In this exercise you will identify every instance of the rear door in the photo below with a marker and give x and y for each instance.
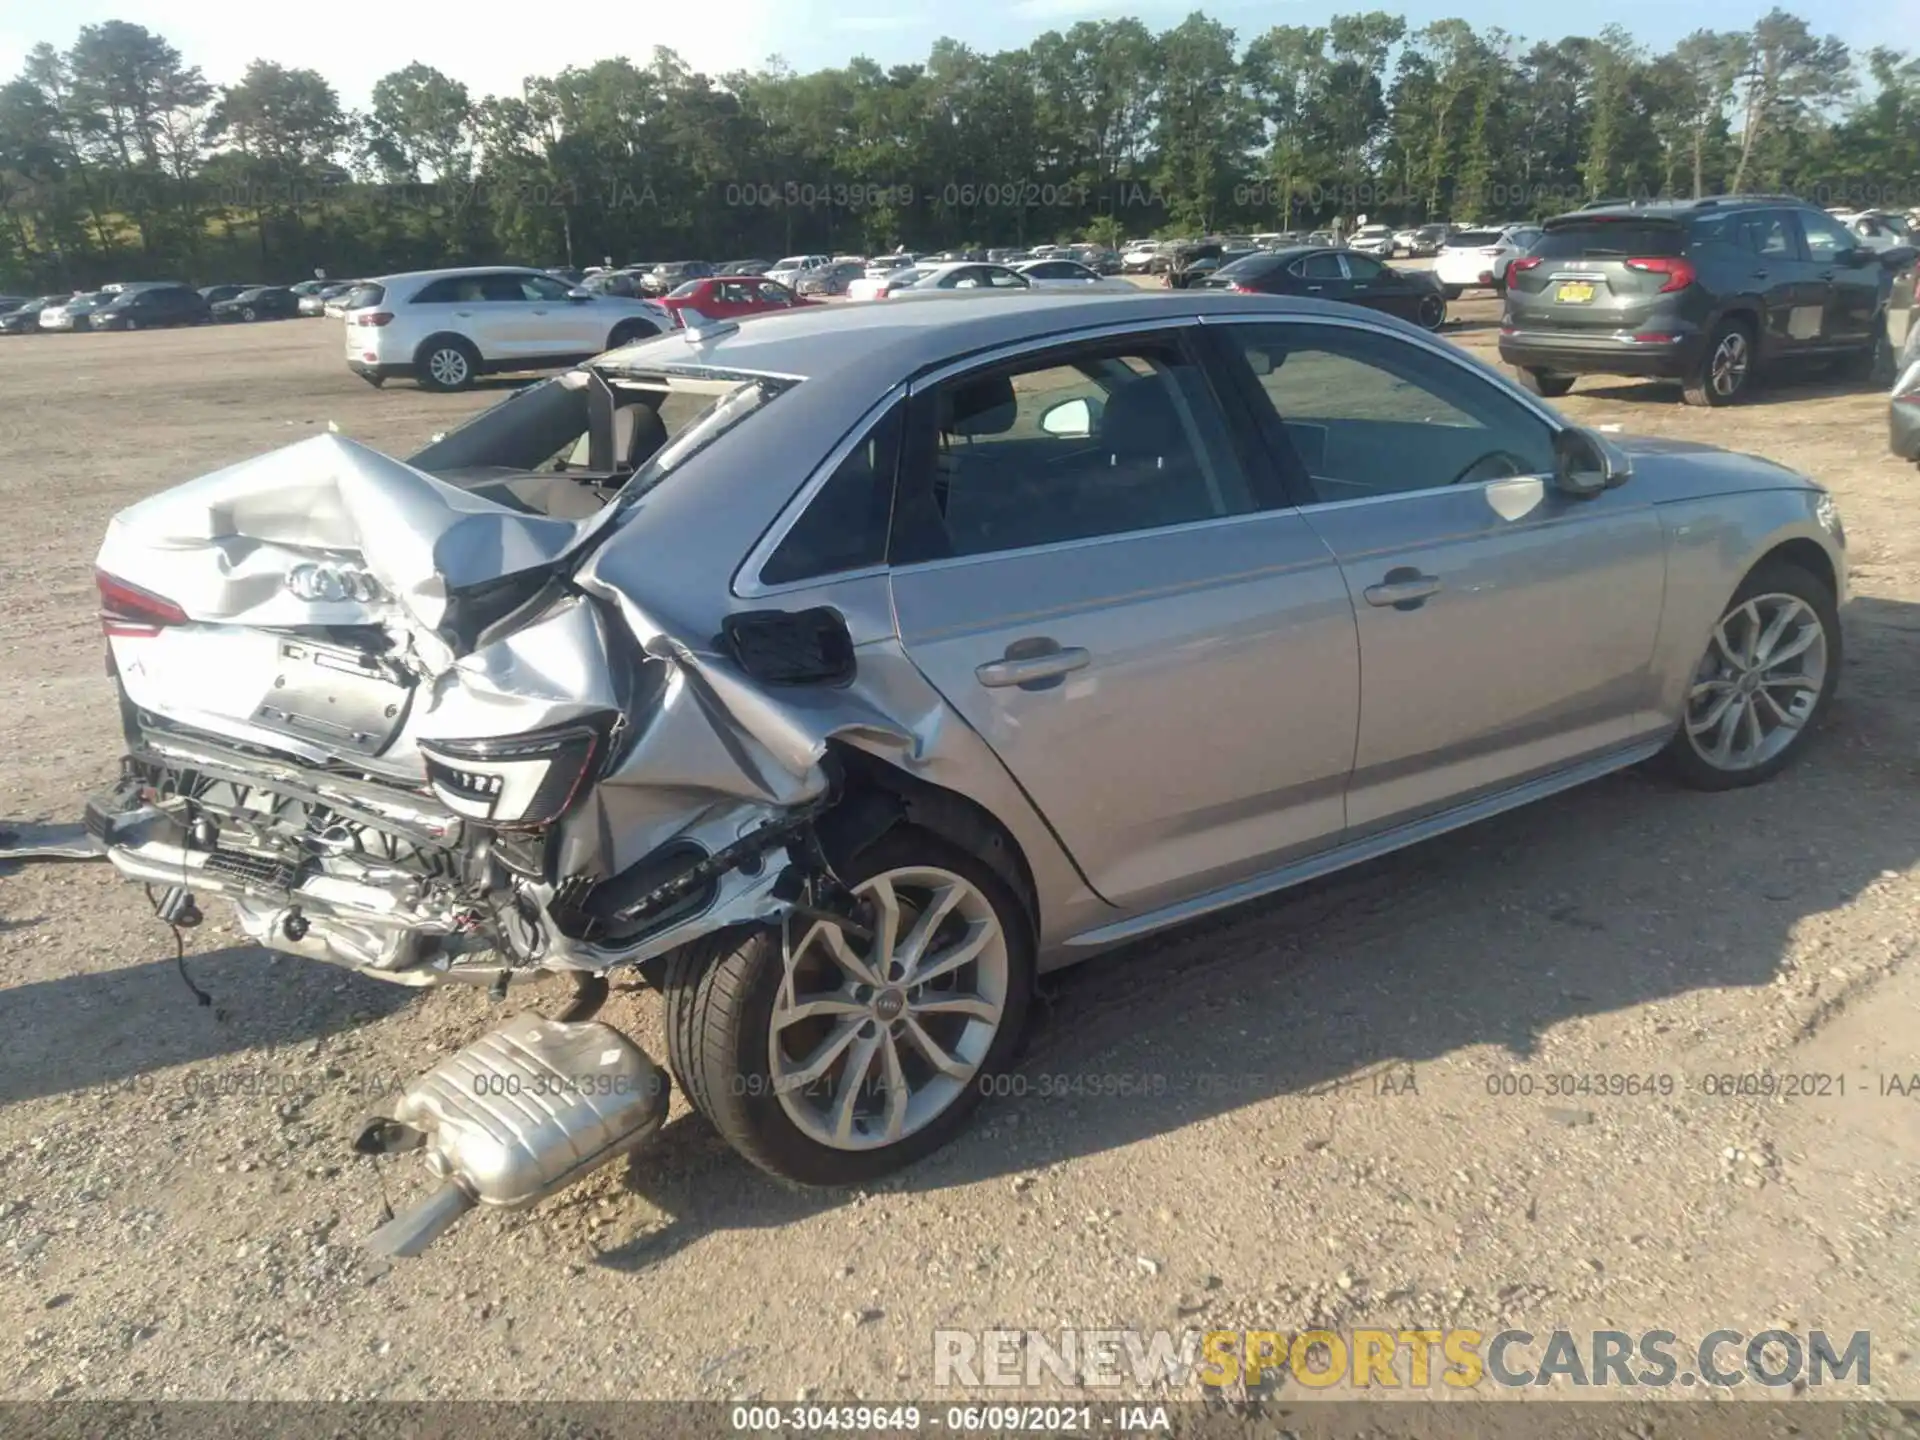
(1373, 285)
(1849, 275)
(1598, 273)
(1767, 262)
(1087, 567)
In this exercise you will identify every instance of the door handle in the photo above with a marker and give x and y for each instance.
(1316, 289)
(1760, 274)
(464, 314)
(1404, 588)
(1032, 668)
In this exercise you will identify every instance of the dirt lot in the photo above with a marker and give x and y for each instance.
(179, 1213)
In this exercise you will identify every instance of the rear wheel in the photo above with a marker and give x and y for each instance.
(1432, 312)
(249, 313)
(1726, 369)
(1770, 668)
(446, 363)
(831, 1059)
(1544, 382)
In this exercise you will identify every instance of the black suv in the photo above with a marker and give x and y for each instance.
(152, 306)
(1705, 292)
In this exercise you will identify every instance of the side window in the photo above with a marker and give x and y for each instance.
(774, 294)
(504, 288)
(1325, 266)
(844, 526)
(1767, 233)
(1359, 267)
(1825, 237)
(541, 287)
(1369, 414)
(1096, 440)
(1007, 280)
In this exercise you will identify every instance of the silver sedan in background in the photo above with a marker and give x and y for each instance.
(842, 671)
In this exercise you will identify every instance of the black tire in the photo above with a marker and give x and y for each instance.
(1432, 312)
(249, 313)
(720, 992)
(628, 331)
(433, 364)
(1453, 292)
(1543, 382)
(1682, 761)
(1703, 387)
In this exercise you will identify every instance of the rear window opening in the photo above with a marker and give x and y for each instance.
(1467, 239)
(1601, 239)
(365, 297)
(573, 446)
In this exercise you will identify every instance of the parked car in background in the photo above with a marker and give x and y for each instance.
(335, 301)
(831, 279)
(304, 288)
(73, 313)
(1372, 240)
(214, 294)
(624, 284)
(783, 272)
(1876, 229)
(1478, 259)
(746, 267)
(731, 297)
(1708, 293)
(1902, 345)
(262, 302)
(446, 328)
(152, 307)
(12, 302)
(881, 266)
(1139, 260)
(1336, 274)
(670, 275)
(314, 302)
(960, 275)
(1322, 237)
(1059, 273)
(566, 274)
(25, 319)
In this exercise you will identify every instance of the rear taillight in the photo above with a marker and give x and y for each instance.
(1525, 262)
(1240, 289)
(127, 610)
(1680, 273)
(377, 317)
(517, 781)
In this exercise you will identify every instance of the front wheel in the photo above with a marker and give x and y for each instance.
(1770, 668)
(831, 1059)
(249, 313)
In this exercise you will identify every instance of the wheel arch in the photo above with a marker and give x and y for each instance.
(441, 337)
(880, 796)
(1808, 555)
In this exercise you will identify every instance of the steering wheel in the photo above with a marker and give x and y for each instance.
(1494, 465)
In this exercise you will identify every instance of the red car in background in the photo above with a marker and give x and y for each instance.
(732, 297)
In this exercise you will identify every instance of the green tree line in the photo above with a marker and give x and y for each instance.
(119, 158)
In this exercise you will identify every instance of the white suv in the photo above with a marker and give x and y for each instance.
(446, 328)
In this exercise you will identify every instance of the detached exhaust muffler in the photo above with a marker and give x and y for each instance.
(521, 1113)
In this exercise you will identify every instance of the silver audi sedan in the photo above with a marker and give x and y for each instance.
(841, 670)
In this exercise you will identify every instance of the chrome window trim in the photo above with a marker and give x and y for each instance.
(1054, 340)
(747, 584)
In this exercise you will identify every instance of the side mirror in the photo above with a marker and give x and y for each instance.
(1069, 420)
(579, 292)
(1584, 464)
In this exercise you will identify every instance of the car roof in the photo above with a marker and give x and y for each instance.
(407, 275)
(872, 347)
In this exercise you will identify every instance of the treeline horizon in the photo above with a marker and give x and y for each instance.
(119, 159)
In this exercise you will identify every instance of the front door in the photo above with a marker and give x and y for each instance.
(1086, 567)
(1849, 274)
(1506, 629)
(1377, 287)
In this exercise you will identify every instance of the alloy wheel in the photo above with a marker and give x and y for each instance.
(1732, 358)
(1759, 682)
(448, 367)
(871, 1040)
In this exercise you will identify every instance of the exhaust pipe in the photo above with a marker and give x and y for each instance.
(520, 1114)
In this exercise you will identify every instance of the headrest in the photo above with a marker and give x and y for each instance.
(1140, 420)
(980, 407)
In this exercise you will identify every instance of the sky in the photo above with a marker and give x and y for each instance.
(354, 42)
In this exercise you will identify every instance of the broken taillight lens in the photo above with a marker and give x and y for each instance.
(127, 610)
(517, 781)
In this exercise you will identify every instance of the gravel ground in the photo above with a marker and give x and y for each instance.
(1319, 1128)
